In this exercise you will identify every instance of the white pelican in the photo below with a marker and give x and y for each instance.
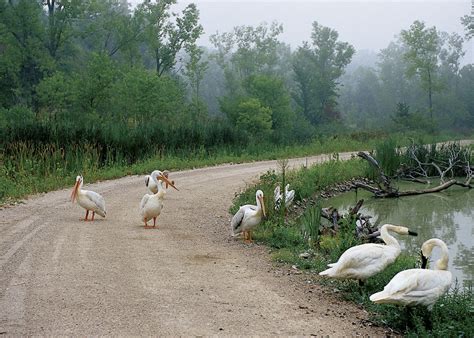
(365, 260)
(151, 204)
(89, 200)
(248, 217)
(419, 286)
(289, 196)
(151, 183)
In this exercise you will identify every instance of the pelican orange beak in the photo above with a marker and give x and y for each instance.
(74, 192)
(167, 181)
(262, 202)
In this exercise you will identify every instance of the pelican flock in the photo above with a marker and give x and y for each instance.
(409, 287)
(419, 286)
(248, 217)
(278, 197)
(89, 200)
(363, 261)
(152, 204)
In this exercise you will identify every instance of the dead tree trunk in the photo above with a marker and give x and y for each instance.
(386, 190)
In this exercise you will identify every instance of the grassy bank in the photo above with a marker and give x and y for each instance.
(29, 168)
(298, 234)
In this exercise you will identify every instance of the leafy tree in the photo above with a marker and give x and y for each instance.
(423, 49)
(249, 57)
(247, 51)
(61, 15)
(111, 29)
(166, 33)
(450, 56)
(139, 97)
(254, 119)
(194, 71)
(360, 98)
(24, 58)
(271, 92)
(54, 96)
(318, 65)
(92, 88)
(395, 86)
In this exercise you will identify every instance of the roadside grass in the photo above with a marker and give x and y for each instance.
(28, 167)
(451, 315)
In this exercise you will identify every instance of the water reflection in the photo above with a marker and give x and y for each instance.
(448, 215)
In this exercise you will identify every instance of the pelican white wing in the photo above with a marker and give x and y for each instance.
(98, 201)
(144, 200)
(240, 218)
(415, 287)
(362, 261)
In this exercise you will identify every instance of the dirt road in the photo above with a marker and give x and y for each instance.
(62, 276)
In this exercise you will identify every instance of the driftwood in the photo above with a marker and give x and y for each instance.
(385, 190)
(385, 180)
(364, 229)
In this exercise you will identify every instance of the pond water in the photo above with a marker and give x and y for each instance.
(448, 215)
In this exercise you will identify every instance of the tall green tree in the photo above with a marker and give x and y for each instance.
(253, 119)
(24, 59)
(423, 49)
(194, 71)
(318, 66)
(395, 86)
(247, 51)
(166, 33)
(250, 59)
(451, 53)
(272, 93)
(360, 98)
(111, 28)
(61, 15)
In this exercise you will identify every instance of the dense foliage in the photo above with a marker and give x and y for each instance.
(100, 84)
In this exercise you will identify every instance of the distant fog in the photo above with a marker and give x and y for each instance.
(365, 24)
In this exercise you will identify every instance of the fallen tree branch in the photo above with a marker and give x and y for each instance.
(383, 178)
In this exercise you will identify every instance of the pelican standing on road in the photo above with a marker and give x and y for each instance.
(365, 260)
(278, 197)
(151, 183)
(89, 200)
(419, 286)
(248, 217)
(152, 204)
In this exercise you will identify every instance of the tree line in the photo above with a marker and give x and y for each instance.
(418, 81)
(127, 81)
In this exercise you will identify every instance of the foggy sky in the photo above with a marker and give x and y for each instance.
(365, 24)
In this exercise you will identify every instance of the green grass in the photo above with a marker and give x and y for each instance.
(452, 314)
(29, 167)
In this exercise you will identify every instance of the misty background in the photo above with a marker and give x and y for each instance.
(367, 25)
